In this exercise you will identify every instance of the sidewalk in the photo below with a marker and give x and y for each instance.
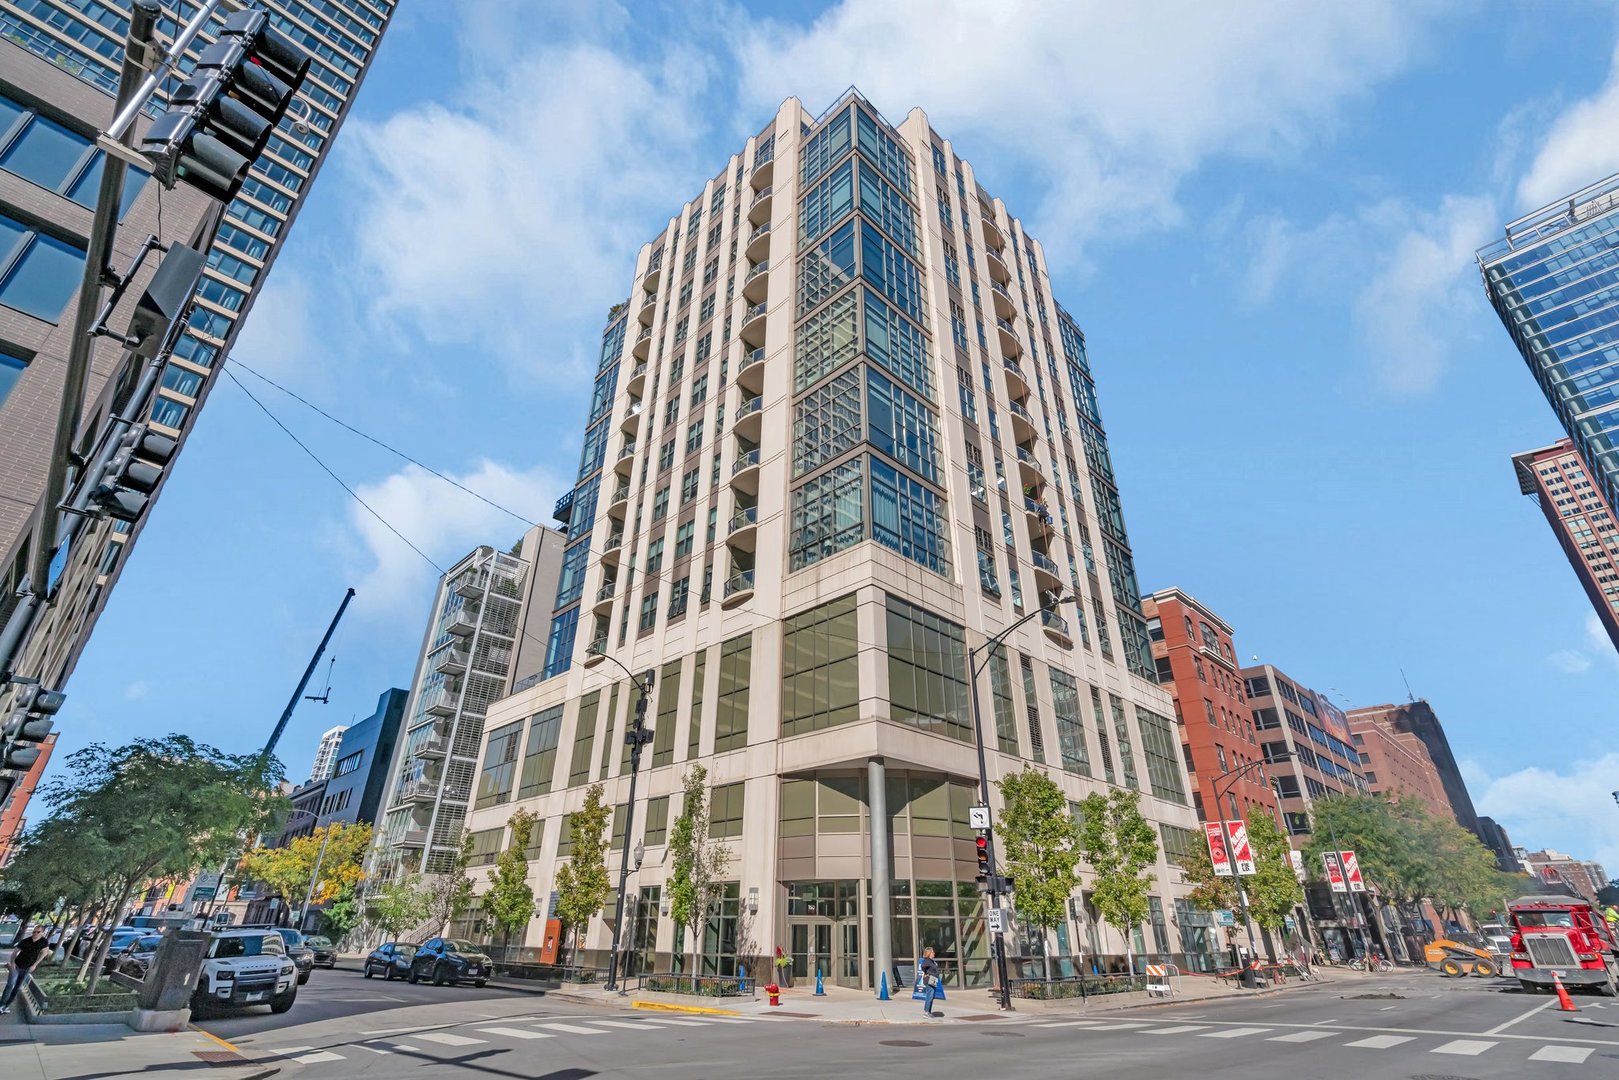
(94, 1051)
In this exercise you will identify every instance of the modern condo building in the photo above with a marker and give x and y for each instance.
(1582, 520)
(842, 433)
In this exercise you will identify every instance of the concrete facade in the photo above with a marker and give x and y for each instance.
(1396, 763)
(1196, 658)
(1290, 716)
(326, 753)
(804, 359)
(360, 777)
(1581, 519)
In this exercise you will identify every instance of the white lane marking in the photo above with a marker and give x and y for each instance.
(1071, 1023)
(317, 1057)
(373, 1049)
(446, 1038)
(1334, 1020)
(1380, 1042)
(573, 1029)
(1233, 1033)
(679, 1023)
(517, 1033)
(629, 1025)
(391, 1031)
(729, 1019)
(1386, 1008)
(1283, 1005)
(1500, 1028)
(288, 1051)
(406, 1048)
(1300, 1036)
(1127, 1025)
(1573, 1055)
(1464, 1047)
(1178, 1029)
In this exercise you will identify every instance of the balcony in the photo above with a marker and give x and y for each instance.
(650, 280)
(738, 587)
(1004, 307)
(643, 343)
(1037, 511)
(621, 495)
(415, 791)
(649, 309)
(1056, 626)
(764, 166)
(1030, 466)
(760, 210)
(1011, 347)
(434, 746)
(749, 417)
(758, 243)
(752, 330)
(1022, 423)
(605, 594)
(756, 285)
(745, 471)
(439, 702)
(612, 546)
(1045, 565)
(637, 378)
(750, 373)
(1016, 382)
(625, 462)
(994, 239)
(998, 270)
(413, 838)
(744, 527)
(450, 662)
(472, 585)
(596, 651)
(632, 418)
(461, 622)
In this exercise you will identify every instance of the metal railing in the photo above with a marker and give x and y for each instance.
(1076, 986)
(606, 591)
(701, 985)
(745, 461)
(752, 312)
(745, 517)
(748, 408)
(763, 194)
(739, 583)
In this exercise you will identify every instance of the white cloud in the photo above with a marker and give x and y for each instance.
(136, 690)
(1569, 661)
(281, 338)
(1579, 149)
(445, 523)
(1572, 811)
(489, 223)
(1111, 106)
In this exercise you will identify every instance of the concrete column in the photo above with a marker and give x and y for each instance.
(882, 901)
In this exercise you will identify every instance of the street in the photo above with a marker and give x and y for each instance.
(1405, 1024)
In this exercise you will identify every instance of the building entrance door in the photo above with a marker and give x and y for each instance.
(831, 948)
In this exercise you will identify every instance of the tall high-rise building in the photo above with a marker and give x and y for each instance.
(1497, 840)
(1197, 660)
(1396, 763)
(59, 66)
(480, 614)
(1419, 719)
(1582, 520)
(326, 753)
(1550, 281)
(14, 807)
(842, 433)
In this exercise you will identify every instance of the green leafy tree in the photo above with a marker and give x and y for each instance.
(583, 885)
(1039, 849)
(1210, 892)
(450, 892)
(330, 859)
(343, 912)
(1119, 843)
(398, 906)
(509, 900)
(698, 864)
(1273, 889)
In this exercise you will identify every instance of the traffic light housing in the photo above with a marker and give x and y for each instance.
(983, 861)
(220, 119)
(132, 473)
(28, 723)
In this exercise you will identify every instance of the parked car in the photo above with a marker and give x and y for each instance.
(391, 960)
(122, 939)
(136, 957)
(325, 953)
(297, 948)
(450, 960)
(246, 967)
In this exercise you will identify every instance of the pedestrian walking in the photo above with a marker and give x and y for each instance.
(930, 982)
(29, 955)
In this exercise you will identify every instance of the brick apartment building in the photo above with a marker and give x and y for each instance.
(1396, 763)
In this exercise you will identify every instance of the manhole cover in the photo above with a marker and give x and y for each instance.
(219, 1057)
(904, 1042)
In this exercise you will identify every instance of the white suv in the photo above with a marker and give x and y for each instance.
(246, 967)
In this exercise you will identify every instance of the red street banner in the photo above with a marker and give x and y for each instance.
(1352, 872)
(1335, 871)
(1217, 852)
(1242, 853)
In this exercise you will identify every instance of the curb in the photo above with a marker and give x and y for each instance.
(660, 1006)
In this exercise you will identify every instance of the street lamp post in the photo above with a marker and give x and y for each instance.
(995, 885)
(637, 737)
(1231, 777)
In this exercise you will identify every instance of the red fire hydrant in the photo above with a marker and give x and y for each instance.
(774, 993)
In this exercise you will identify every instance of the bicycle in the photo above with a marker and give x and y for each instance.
(1373, 963)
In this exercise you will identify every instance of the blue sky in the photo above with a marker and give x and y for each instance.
(1264, 220)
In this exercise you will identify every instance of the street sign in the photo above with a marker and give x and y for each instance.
(1335, 871)
(1227, 918)
(1217, 851)
(1298, 865)
(978, 817)
(997, 921)
(1352, 872)
(1242, 853)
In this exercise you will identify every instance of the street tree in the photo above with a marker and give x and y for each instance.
(1273, 889)
(1039, 849)
(398, 906)
(1210, 892)
(449, 892)
(327, 861)
(509, 900)
(583, 884)
(698, 863)
(343, 912)
(1119, 843)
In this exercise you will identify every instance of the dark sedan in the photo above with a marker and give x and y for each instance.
(136, 957)
(391, 960)
(297, 948)
(325, 952)
(450, 960)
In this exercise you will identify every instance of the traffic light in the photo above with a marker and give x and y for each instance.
(220, 119)
(132, 473)
(983, 862)
(29, 723)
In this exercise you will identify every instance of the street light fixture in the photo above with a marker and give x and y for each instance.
(1231, 777)
(996, 885)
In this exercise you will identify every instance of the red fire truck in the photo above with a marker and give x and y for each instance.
(1566, 937)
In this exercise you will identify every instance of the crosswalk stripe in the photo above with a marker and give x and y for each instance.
(573, 1029)
(629, 1025)
(1380, 1042)
(317, 1057)
(373, 1049)
(682, 1022)
(1071, 1023)
(1300, 1036)
(1178, 1029)
(1464, 1047)
(1117, 1027)
(517, 1033)
(729, 1019)
(288, 1051)
(1233, 1033)
(1572, 1055)
(446, 1038)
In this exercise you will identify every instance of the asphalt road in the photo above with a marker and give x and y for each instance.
(1404, 1025)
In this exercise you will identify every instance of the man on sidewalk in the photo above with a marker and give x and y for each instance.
(29, 955)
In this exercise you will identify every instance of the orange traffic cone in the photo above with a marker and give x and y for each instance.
(1564, 1002)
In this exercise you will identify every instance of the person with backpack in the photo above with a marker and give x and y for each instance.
(930, 982)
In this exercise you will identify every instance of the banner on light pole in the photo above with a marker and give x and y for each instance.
(1335, 871)
(1217, 849)
(1242, 852)
(1352, 872)
(1298, 865)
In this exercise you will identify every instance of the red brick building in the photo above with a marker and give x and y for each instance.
(1396, 763)
(12, 822)
(1197, 662)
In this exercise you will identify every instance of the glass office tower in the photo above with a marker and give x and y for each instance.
(842, 432)
(1554, 281)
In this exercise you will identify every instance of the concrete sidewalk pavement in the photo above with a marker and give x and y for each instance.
(95, 1051)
